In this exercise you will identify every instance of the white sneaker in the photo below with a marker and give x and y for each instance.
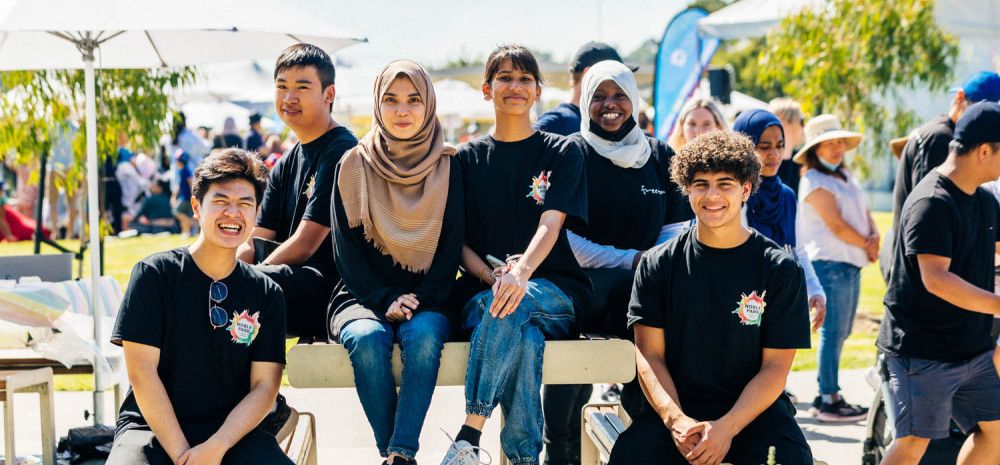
(463, 453)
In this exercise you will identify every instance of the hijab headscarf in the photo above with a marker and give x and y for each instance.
(397, 189)
(771, 210)
(631, 151)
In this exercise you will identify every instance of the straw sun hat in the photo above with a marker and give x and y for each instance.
(823, 128)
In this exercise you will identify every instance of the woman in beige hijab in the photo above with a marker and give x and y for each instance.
(398, 216)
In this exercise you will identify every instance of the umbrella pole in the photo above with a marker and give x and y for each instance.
(94, 220)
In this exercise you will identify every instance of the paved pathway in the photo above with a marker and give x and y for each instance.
(345, 437)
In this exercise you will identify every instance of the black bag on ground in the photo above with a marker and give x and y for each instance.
(86, 443)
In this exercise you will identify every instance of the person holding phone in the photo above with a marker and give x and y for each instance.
(521, 186)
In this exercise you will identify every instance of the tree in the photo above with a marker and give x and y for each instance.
(853, 59)
(36, 105)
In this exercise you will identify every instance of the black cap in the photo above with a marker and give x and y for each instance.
(979, 124)
(594, 52)
(255, 118)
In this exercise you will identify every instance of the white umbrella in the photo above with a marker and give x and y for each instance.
(56, 34)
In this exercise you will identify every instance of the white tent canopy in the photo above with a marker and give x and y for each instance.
(213, 114)
(244, 81)
(140, 34)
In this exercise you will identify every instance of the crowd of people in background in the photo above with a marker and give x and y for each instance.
(146, 190)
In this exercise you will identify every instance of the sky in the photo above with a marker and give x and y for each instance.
(432, 32)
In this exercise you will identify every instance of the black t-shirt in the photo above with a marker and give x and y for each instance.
(719, 308)
(627, 207)
(508, 185)
(925, 150)
(940, 219)
(300, 187)
(254, 141)
(205, 371)
(373, 280)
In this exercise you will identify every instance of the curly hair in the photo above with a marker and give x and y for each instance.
(715, 152)
(225, 165)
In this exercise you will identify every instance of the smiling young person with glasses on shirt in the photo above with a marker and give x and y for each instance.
(203, 335)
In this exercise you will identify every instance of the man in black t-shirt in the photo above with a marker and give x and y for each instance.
(296, 208)
(940, 301)
(717, 315)
(927, 147)
(203, 336)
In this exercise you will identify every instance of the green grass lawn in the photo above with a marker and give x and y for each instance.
(122, 255)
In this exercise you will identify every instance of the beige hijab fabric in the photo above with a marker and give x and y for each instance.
(397, 189)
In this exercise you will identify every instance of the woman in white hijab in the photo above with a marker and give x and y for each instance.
(632, 203)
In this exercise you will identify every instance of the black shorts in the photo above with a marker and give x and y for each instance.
(648, 442)
(138, 446)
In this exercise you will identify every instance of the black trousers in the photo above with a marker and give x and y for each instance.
(307, 296)
(140, 447)
(561, 404)
(648, 442)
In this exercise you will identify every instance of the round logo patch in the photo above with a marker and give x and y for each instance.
(244, 327)
(751, 308)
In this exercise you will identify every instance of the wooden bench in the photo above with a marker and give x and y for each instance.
(566, 362)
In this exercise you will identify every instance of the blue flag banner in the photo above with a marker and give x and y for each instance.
(683, 56)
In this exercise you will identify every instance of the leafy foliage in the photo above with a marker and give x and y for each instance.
(852, 59)
(35, 106)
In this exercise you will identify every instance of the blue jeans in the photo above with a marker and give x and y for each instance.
(396, 419)
(505, 363)
(842, 284)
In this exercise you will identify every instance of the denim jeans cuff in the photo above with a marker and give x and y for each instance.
(524, 461)
(478, 408)
(405, 453)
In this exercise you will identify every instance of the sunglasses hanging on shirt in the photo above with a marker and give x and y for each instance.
(217, 315)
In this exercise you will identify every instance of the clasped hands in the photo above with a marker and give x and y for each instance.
(702, 442)
(510, 284)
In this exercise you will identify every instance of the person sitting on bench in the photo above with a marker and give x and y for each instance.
(295, 210)
(203, 336)
(398, 215)
(521, 185)
(717, 314)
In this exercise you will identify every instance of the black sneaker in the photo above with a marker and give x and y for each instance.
(841, 412)
(276, 419)
(816, 404)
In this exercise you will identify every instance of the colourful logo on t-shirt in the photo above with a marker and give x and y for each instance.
(751, 308)
(539, 186)
(244, 327)
(310, 187)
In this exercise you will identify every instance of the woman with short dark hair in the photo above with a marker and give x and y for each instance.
(521, 186)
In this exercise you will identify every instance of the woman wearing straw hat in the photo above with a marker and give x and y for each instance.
(840, 237)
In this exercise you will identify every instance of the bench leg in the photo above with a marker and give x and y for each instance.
(588, 451)
(8, 426)
(47, 411)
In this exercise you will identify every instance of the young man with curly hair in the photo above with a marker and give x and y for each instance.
(717, 315)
